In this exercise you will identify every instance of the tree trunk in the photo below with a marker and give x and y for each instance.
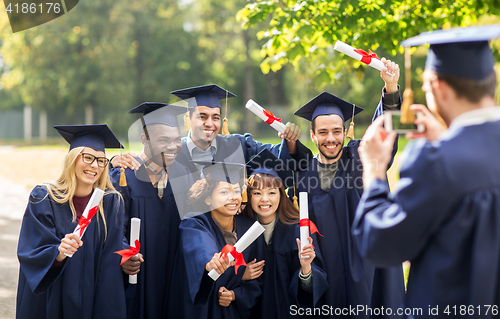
(89, 115)
(43, 125)
(27, 122)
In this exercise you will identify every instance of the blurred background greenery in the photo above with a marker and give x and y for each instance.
(105, 57)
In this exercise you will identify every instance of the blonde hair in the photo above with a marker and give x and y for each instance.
(63, 189)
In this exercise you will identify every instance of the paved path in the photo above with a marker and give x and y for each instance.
(13, 200)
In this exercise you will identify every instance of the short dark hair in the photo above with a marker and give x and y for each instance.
(471, 90)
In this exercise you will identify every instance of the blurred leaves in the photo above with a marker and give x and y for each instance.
(302, 30)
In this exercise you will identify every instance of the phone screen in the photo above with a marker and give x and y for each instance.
(398, 126)
(392, 123)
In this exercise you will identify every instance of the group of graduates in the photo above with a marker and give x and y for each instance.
(197, 195)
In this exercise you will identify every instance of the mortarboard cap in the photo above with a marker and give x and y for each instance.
(159, 113)
(267, 163)
(97, 136)
(206, 95)
(462, 52)
(232, 173)
(326, 104)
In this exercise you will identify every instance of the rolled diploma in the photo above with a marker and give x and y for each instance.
(304, 214)
(135, 229)
(248, 238)
(94, 201)
(349, 50)
(259, 111)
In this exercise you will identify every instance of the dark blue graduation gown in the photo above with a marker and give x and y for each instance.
(90, 284)
(159, 237)
(444, 217)
(352, 280)
(238, 148)
(200, 240)
(282, 287)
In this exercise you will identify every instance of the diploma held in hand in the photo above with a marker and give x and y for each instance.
(89, 212)
(304, 215)
(246, 240)
(305, 223)
(266, 116)
(135, 228)
(360, 55)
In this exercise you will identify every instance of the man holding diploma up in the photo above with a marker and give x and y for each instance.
(204, 143)
(149, 196)
(333, 180)
(444, 215)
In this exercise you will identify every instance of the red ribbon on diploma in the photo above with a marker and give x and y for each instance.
(128, 253)
(271, 117)
(84, 222)
(238, 257)
(366, 57)
(310, 224)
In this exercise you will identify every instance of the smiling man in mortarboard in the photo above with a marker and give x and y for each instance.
(204, 143)
(444, 214)
(155, 193)
(333, 180)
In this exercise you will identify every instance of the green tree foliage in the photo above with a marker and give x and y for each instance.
(107, 55)
(307, 29)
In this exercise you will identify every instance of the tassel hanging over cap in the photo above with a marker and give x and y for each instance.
(123, 178)
(295, 201)
(225, 129)
(350, 132)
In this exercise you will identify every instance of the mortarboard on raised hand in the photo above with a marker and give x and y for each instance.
(326, 104)
(38, 13)
(205, 95)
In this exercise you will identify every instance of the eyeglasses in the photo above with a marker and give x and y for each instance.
(89, 159)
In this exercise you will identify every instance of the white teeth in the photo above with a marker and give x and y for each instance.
(169, 154)
(331, 147)
(208, 132)
(90, 173)
(265, 207)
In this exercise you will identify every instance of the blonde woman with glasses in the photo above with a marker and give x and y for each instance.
(88, 285)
